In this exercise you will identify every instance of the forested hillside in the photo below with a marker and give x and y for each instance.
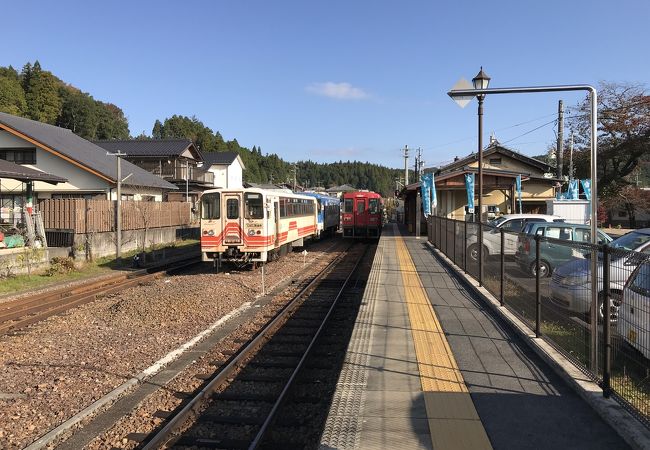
(38, 94)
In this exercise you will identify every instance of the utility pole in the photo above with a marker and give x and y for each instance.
(406, 165)
(294, 177)
(560, 138)
(571, 156)
(118, 206)
(418, 164)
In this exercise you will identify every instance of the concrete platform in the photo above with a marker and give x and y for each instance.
(429, 367)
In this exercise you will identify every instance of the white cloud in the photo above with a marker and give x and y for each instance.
(340, 91)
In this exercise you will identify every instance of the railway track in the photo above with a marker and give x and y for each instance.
(239, 405)
(19, 313)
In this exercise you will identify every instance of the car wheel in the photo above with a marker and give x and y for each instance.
(615, 299)
(473, 252)
(544, 269)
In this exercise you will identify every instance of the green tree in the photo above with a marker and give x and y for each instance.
(623, 135)
(112, 123)
(12, 96)
(157, 131)
(78, 112)
(42, 94)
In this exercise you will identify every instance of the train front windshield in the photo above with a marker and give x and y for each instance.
(373, 206)
(254, 206)
(211, 206)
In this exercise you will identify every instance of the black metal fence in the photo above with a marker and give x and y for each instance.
(546, 282)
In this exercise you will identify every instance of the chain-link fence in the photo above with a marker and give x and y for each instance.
(545, 279)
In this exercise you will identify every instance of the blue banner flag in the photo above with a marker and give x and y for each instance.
(426, 181)
(573, 190)
(518, 187)
(434, 197)
(586, 187)
(469, 185)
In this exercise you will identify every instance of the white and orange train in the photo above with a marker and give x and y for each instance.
(251, 225)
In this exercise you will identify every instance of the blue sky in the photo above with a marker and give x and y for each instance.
(335, 80)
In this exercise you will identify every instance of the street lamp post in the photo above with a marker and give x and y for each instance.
(480, 81)
(461, 96)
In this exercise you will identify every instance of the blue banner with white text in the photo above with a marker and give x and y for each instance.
(573, 190)
(426, 181)
(586, 187)
(469, 185)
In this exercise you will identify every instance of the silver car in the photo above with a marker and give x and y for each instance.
(511, 223)
(571, 282)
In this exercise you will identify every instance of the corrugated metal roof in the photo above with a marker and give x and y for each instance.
(82, 151)
(147, 147)
(22, 173)
(222, 158)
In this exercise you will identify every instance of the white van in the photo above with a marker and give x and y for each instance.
(511, 223)
(634, 313)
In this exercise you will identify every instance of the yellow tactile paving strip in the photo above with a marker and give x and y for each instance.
(453, 421)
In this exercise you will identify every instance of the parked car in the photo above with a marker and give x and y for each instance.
(511, 223)
(571, 283)
(634, 313)
(552, 252)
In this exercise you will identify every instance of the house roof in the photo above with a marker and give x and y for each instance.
(496, 147)
(219, 158)
(149, 147)
(78, 151)
(342, 188)
(22, 173)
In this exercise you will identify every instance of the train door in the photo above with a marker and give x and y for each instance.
(232, 225)
(360, 216)
(276, 211)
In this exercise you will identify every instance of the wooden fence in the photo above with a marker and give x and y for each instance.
(96, 216)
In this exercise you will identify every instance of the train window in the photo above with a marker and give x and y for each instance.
(253, 206)
(283, 207)
(211, 206)
(373, 205)
(232, 208)
(361, 206)
(347, 206)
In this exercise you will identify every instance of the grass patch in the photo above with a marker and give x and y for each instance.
(21, 283)
(101, 266)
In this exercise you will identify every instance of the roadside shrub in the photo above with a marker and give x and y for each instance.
(60, 264)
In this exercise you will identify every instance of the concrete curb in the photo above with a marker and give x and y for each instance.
(621, 420)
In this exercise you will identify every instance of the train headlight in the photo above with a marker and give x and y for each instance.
(211, 233)
(251, 232)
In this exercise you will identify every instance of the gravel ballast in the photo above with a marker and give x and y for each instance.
(55, 368)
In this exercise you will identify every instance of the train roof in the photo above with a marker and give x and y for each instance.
(278, 192)
(361, 194)
(322, 197)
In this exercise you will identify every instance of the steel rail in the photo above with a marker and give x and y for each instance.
(167, 433)
(20, 313)
(270, 417)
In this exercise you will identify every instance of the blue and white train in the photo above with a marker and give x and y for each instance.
(329, 214)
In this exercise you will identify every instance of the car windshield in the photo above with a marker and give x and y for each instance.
(631, 241)
(497, 222)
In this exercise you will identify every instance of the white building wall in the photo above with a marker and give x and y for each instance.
(220, 176)
(79, 180)
(235, 175)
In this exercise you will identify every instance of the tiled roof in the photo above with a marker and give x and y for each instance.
(219, 158)
(147, 147)
(81, 151)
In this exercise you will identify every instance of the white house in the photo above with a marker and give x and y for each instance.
(227, 168)
(90, 172)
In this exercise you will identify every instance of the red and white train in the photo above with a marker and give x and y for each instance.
(363, 214)
(250, 225)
